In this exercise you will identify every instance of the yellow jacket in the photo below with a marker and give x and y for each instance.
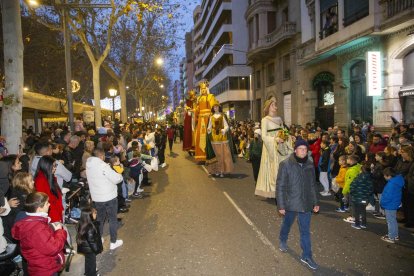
(340, 178)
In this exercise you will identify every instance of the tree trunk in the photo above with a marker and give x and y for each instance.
(11, 117)
(122, 93)
(97, 93)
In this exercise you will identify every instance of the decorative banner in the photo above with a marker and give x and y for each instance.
(89, 116)
(374, 73)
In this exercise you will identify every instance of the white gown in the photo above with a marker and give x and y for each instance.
(271, 157)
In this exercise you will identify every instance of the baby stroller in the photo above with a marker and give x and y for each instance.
(77, 197)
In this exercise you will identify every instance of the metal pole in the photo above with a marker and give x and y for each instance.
(113, 108)
(68, 68)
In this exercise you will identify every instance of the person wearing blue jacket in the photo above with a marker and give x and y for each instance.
(391, 201)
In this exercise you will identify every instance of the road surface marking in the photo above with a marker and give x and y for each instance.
(249, 222)
(205, 169)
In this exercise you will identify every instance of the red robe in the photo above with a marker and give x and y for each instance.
(56, 205)
(188, 129)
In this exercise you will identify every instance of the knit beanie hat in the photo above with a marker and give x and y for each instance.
(301, 142)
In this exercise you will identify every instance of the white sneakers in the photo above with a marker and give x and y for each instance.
(139, 190)
(327, 193)
(163, 165)
(370, 207)
(116, 244)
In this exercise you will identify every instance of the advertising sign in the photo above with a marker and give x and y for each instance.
(374, 73)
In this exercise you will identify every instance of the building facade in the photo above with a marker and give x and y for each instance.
(219, 48)
(274, 34)
(336, 72)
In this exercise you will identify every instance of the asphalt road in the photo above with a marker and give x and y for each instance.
(193, 224)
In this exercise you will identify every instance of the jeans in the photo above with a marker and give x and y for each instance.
(323, 178)
(391, 216)
(360, 211)
(108, 210)
(304, 219)
(90, 264)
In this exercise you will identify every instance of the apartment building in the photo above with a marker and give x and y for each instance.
(219, 48)
(356, 62)
(274, 34)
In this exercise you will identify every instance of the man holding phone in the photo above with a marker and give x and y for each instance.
(296, 196)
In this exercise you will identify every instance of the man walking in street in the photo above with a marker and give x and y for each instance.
(296, 196)
(103, 180)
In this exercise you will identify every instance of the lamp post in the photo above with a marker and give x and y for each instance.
(112, 93)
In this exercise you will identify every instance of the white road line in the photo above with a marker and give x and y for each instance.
(249, 222)
(205, 169)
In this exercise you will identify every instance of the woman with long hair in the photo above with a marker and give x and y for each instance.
(45, 181)
(339, 151)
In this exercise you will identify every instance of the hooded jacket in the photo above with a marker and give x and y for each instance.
(40, 245)
(391, 196)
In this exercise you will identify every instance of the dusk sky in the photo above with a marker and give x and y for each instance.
(188, 7)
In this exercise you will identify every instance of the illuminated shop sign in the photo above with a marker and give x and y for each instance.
(374, 73)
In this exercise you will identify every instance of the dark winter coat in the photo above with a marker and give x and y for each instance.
(361, 188)
(410, 179)
(91, 242)
(402, 167)
(324, 159)
(296, 185)
(378, 178)
(256, 149)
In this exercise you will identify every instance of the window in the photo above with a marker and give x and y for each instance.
(257, 80)
(271, 21)
(256, 17)
(328, 18)
(239, 83)
(270, 73)
(354, 10)
(251, 33)
(285, 15)
(286, 67)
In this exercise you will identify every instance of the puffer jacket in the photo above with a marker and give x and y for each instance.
(361, 188)
(350, 175)
(91, 242)
(40, 245)
(296, 186)
(391, 196)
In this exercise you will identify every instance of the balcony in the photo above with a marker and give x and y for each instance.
(225, 49)
(200, 70)
(284, 32)
(396, 14)
(395, 7)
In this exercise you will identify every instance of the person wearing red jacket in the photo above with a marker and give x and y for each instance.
(41, 244)
(45, 182)
(378, 144)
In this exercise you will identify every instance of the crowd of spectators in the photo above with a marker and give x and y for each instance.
(361, 170)
(111, 164)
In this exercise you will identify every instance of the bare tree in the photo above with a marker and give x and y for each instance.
(11, 117)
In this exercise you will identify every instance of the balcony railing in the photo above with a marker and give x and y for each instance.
(394, 7)
(286, 30)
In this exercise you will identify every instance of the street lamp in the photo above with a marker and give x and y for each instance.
(112, 93)
(159, 61)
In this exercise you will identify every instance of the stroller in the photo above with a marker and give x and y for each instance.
(77, 197)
